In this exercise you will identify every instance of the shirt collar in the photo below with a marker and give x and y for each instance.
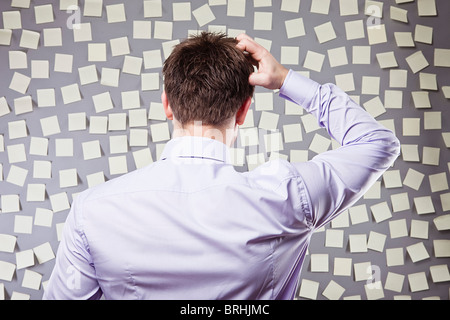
(196, 148)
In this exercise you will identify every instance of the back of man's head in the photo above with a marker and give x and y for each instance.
(206, 79)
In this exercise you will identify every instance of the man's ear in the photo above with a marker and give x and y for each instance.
(242, 112)
(166, 105)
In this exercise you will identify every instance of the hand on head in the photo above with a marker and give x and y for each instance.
(271, 74)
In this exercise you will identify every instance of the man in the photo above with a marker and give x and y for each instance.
(189, 226)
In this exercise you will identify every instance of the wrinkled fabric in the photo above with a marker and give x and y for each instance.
(189, 226)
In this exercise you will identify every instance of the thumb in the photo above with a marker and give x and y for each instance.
(260, 79)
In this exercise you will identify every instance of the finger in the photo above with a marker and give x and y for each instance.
(256, 50)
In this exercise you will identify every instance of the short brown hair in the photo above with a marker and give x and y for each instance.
(206, 79)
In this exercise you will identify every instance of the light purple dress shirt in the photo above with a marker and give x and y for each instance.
(189, 226)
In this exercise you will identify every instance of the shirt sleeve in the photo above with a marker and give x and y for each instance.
(336, 179)
(73, 276)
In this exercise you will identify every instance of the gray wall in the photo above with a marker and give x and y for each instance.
(422, 278)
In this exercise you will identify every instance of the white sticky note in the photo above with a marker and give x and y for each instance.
(417, 252)
(417, 61)
(342, 267)
(23, 224)
(44, 253)
(152, 8)
(71, 93)
(319, 144)
(59, 202)
(289, 55)
(181, 11)
(23, 105)
(398, 78)
(370, 85)
(76, 121)
(7, 243)
(404, 39)
(152, 59)
(35, 192)
(82, 32)
(376, 34)
(395, 257)
(102, 102)
(17, 60)
(387, 60)
(314, 61)
(110, 77)
(160, 132)
(93, 8)
(393, 99)
(354, 29)
(308, 289)
(17, 129)
(142, 29)
(5, 37)
(132, 65)
(263, 101)
(320, 6)
(426, 8)
(149, 81)
(7, 270)
(43, 217)
(400, 202)
(46, 97)
(337, 56)
(115, 13)
(63, 63)
(381, 212)
(262, 21)
(98, 125)
(142, 157)
(294, 28)
(88, 74)
(118, 144)
(117, 165)
(394, 282)
(12, 20)
(424, 205)
(156, 111)
(413, 179)
(52, 37)
(423, 34)
(430, 156)
(138, 137)
(117, 121)
(290, 5)
(334, 238)
(19, 82)
(419, 229)
(29, 39)
(398, 228)
(163, 30)
(392, 179)
(24, 259)
(398, 14)
(96, 52)
(68, 178)
(376, 241)
(361, 55)
(325, 32)
(204, 15)
(411, 126)
(236, 8)
(130, 99)
(374, 106)
(43, 13)
(91, 150)
(358, 243)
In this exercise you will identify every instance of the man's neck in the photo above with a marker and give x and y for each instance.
(226, 134)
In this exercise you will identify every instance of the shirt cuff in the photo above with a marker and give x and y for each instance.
(299, 89)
